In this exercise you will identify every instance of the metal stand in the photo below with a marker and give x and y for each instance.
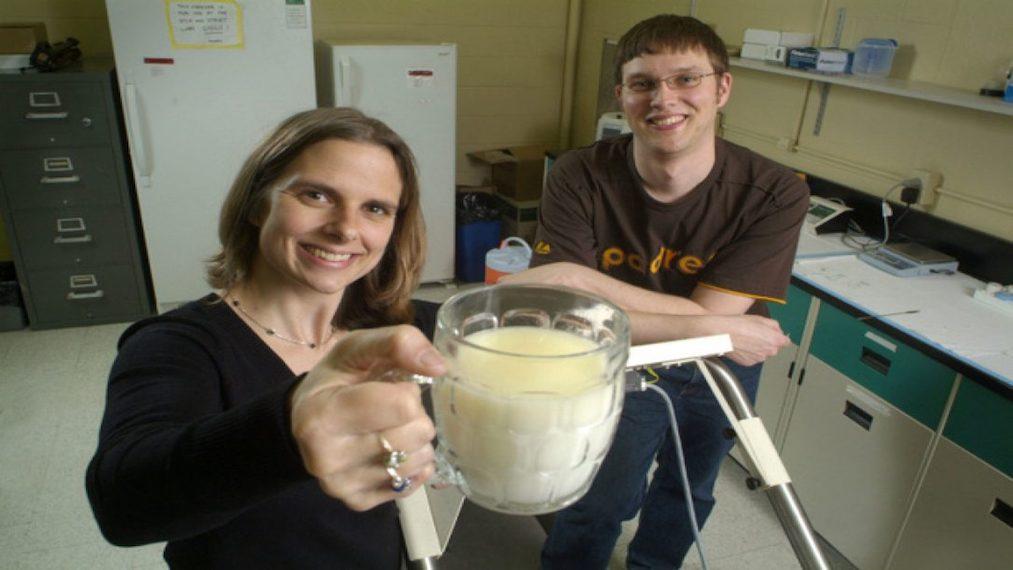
(767, 465)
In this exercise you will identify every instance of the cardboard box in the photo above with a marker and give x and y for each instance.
(520, 218)
(21, 38)
(517, 172)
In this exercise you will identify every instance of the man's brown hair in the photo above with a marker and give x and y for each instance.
(669, 32)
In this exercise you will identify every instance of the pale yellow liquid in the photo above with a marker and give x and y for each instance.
(528, 430)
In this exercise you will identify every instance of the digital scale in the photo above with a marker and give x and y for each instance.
(909, 260)
(826, 216)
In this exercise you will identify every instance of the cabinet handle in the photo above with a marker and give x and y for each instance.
(80, 239)
(74, 296)
(1002, 511)
(345, 71)
(857, 415)
(60, 179)
(877, 362)
(46, 116)
(139, 147)
(791, 369)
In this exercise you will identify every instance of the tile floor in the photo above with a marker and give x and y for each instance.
(52, 389)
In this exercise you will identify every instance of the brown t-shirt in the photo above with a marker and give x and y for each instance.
(735, 232)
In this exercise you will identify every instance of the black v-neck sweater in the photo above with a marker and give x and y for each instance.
(195, 449)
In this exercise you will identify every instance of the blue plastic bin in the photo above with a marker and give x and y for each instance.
(473, 241)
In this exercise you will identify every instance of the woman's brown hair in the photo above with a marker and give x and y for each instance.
(382, 296)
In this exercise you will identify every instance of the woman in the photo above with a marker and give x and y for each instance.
(213, 437)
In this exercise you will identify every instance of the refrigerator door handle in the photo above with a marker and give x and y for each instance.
(139, 148)
(345, 67)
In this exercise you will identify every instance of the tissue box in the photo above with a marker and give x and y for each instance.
(823, 60)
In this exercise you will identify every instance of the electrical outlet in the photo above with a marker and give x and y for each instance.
(931, 181)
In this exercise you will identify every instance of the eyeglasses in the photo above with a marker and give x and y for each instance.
(678, 81)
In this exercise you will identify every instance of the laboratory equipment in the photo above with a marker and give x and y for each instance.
(611, 125)
(996, 297)
(825, 216)
(413, 89)
(200, 85)
(909, 259)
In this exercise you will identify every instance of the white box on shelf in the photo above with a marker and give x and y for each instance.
(764, 37)
(754, 51)
(776, 54)
(797, 39)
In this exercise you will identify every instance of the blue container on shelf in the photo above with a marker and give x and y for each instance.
(874, 57)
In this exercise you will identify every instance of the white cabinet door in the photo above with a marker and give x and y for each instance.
(854, 460)
(961, 518)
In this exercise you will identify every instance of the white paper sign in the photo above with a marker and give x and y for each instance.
(214, 24)
(295, 15)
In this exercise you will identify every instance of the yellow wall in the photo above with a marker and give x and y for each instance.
(82, 19)
(510, 81)
(868, 141)
(510, 55)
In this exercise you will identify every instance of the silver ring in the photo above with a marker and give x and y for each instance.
(394, 457)
(397, 482)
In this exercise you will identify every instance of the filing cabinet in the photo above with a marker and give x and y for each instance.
(860, 433)
(66, 200)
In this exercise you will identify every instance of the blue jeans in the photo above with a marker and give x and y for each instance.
(584, 534)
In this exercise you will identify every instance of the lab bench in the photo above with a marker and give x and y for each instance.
(897, 430)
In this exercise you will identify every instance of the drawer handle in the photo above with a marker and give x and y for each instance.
(877, 362)
(80, 239)
(1002, 511)
(46, 116)
(60, 179)
(857, 415)
(75, 296)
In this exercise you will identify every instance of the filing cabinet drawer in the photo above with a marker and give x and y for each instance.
(72, 237)
(792, 315)
(83, 296)
(45, 114)
(961, 517)
(59, 177)
(981, 421)
(901, 375)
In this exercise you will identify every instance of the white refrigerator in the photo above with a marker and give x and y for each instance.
(413, 89)
(201, 84)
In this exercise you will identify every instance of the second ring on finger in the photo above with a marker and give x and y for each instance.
(392, 457)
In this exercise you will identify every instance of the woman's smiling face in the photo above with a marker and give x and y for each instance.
(330, 216)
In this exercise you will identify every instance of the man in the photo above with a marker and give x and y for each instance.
(686, 232)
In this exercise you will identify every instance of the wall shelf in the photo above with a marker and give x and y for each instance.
(899, 87)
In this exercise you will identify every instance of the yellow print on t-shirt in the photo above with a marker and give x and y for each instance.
(666, 260)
